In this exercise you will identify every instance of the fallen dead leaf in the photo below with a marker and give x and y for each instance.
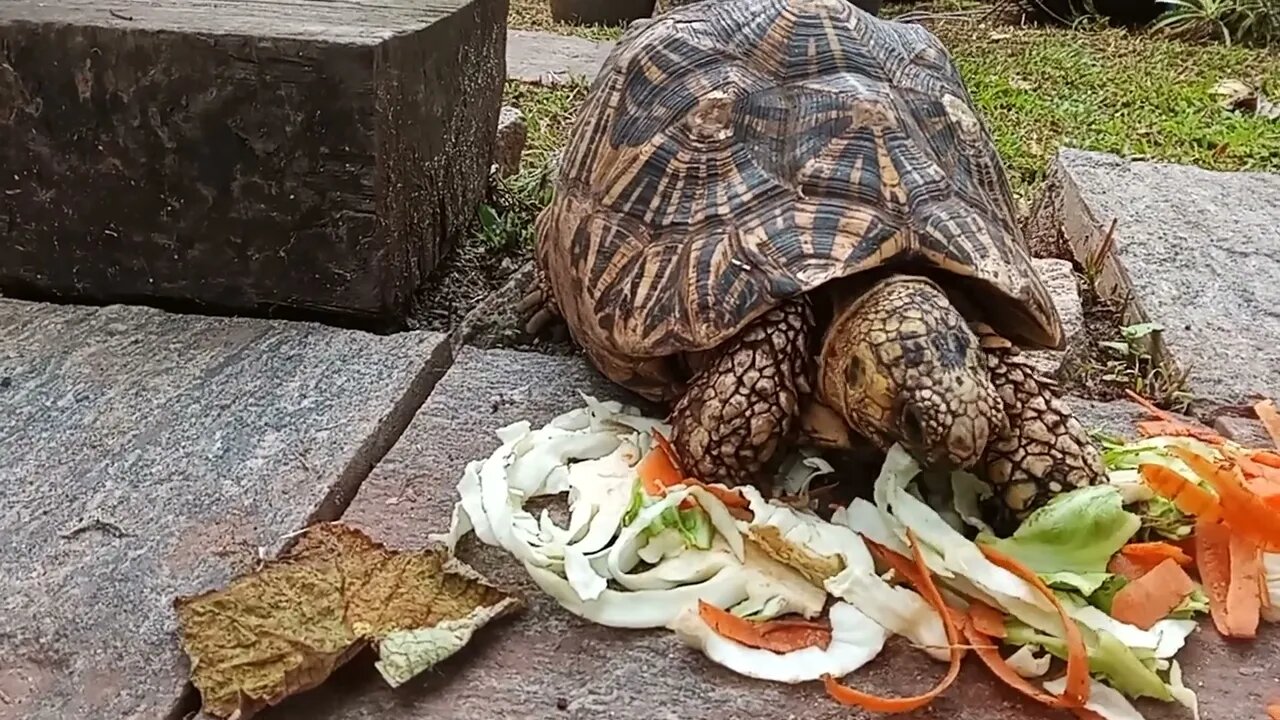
(287, 626)
(1243, 97)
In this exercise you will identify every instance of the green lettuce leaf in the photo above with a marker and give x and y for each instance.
(1108, 657)
(1085, 584)
(1106, 593)
(1197, 603)
(1161, 517)
(1076, 532)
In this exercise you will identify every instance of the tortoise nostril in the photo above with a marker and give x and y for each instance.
(912, 426)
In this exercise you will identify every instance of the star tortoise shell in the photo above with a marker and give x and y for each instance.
(733, 154)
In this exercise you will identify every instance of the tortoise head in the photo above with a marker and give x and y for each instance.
(900, 364)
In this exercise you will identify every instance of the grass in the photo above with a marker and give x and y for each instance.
(1111, 91)
(536, 15)
(1108, 90)
(504, 231)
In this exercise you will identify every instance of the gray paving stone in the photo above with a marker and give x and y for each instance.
(547, 664)
(551, 59)
(145, 455)
(1195, 250)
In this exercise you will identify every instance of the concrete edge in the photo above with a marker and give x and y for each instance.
(340, 496)
(1078, 234)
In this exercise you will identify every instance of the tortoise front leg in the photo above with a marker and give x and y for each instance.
(1044, 451)
(537, 306)
(744, 403)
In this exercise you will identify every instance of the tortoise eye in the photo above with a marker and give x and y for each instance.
(853, 370)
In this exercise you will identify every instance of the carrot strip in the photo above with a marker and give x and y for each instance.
(1126, 568)
(1157, 428)
(791, 624)
(1273, 711)
(660, 469)
(1076, 692)
(780, 639)
(1147, 600)
(1244, 604)
(849, 696)
(1154, 553)
(1213, 561)
(987, 620)
(1270, 417)
(1185, 495)
(986, 648)
(1266, 457)
(1244, 512)
(901, 566)
(1166, 423)
(1150, 407)
(657, 472)
(662, 443)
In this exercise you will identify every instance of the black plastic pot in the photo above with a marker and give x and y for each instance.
(600, 12)
(871, 6)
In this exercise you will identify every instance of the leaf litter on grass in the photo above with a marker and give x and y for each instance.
(287, 626)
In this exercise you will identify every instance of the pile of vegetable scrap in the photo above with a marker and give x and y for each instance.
(1220, 503)
(1083, 608)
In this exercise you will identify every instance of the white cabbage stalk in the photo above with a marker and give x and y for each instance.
(1180, 692)
(799, 471)
(1271, 567)
(951, 553)
(1103, 699)
(855, 641)
(1026, 663)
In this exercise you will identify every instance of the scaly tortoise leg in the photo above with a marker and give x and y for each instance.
(743, 405)
(1045, 450)
(538, 306)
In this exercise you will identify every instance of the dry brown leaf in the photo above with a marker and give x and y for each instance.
(284, 628)
(1247, 98)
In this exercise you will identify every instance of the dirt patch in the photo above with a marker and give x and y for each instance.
(1114, 359)
(471, 272)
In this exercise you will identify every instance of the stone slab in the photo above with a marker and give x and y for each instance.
(145, 455)
(275, 155)
(548, 665)
(1194, 250)
(550, 59)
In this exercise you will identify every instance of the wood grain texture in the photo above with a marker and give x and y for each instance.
(211, 162)
(363, 22)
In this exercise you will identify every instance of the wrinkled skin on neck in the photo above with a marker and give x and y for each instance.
(900, 364)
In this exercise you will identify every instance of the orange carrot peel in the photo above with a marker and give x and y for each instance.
(1154, 553)
(1270, 418)
(660, 469)
(987, 620)
(1076, 692)
(1147, 600)
(1184, 494)
(1166, 423)
(989, 653)
(849, 696)
(1243, 511)
(1229, 570)
(780, 636)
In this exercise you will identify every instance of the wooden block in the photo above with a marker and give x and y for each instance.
(245, 156)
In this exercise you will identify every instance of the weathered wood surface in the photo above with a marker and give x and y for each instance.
(313, 155)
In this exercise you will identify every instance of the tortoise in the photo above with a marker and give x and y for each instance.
(785, 219)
